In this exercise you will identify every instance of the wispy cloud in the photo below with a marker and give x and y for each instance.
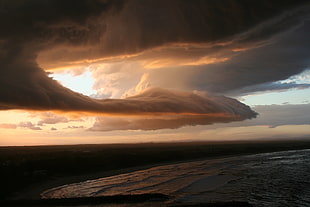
(26, 124)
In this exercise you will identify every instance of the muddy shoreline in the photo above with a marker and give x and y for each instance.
(31, 170)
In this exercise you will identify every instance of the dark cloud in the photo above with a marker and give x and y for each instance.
(105, 28)
(155, 123)
(183, 109)
(274, 86)
(156, 23)
(29, 26)
(56, 20)
(163, 101)
(283, 57)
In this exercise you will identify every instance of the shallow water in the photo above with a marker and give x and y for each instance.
(269, 179)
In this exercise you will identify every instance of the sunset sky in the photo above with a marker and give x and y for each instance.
(100, 71)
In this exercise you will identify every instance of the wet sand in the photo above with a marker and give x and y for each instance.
(34, 192)
(45, 167)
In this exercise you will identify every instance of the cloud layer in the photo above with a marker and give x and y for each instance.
(176, 109)
(57, 33)
(251, 70)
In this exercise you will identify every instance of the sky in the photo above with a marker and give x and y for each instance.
(117, 71)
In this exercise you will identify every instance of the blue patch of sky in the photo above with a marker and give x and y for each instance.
(301, 78)
(291, 96)
(80, 83)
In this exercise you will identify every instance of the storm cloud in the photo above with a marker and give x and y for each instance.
(156, 123)
(178, 109)
(278, 59)
(57, 33)
(27, 28)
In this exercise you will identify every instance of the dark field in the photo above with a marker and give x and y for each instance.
(26, 171)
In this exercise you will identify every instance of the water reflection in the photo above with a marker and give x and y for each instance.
(270, 179)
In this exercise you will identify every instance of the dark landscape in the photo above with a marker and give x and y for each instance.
(27, 171)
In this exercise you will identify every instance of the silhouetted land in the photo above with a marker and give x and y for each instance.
(142, 200)
(25, 169)
(130, 199)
